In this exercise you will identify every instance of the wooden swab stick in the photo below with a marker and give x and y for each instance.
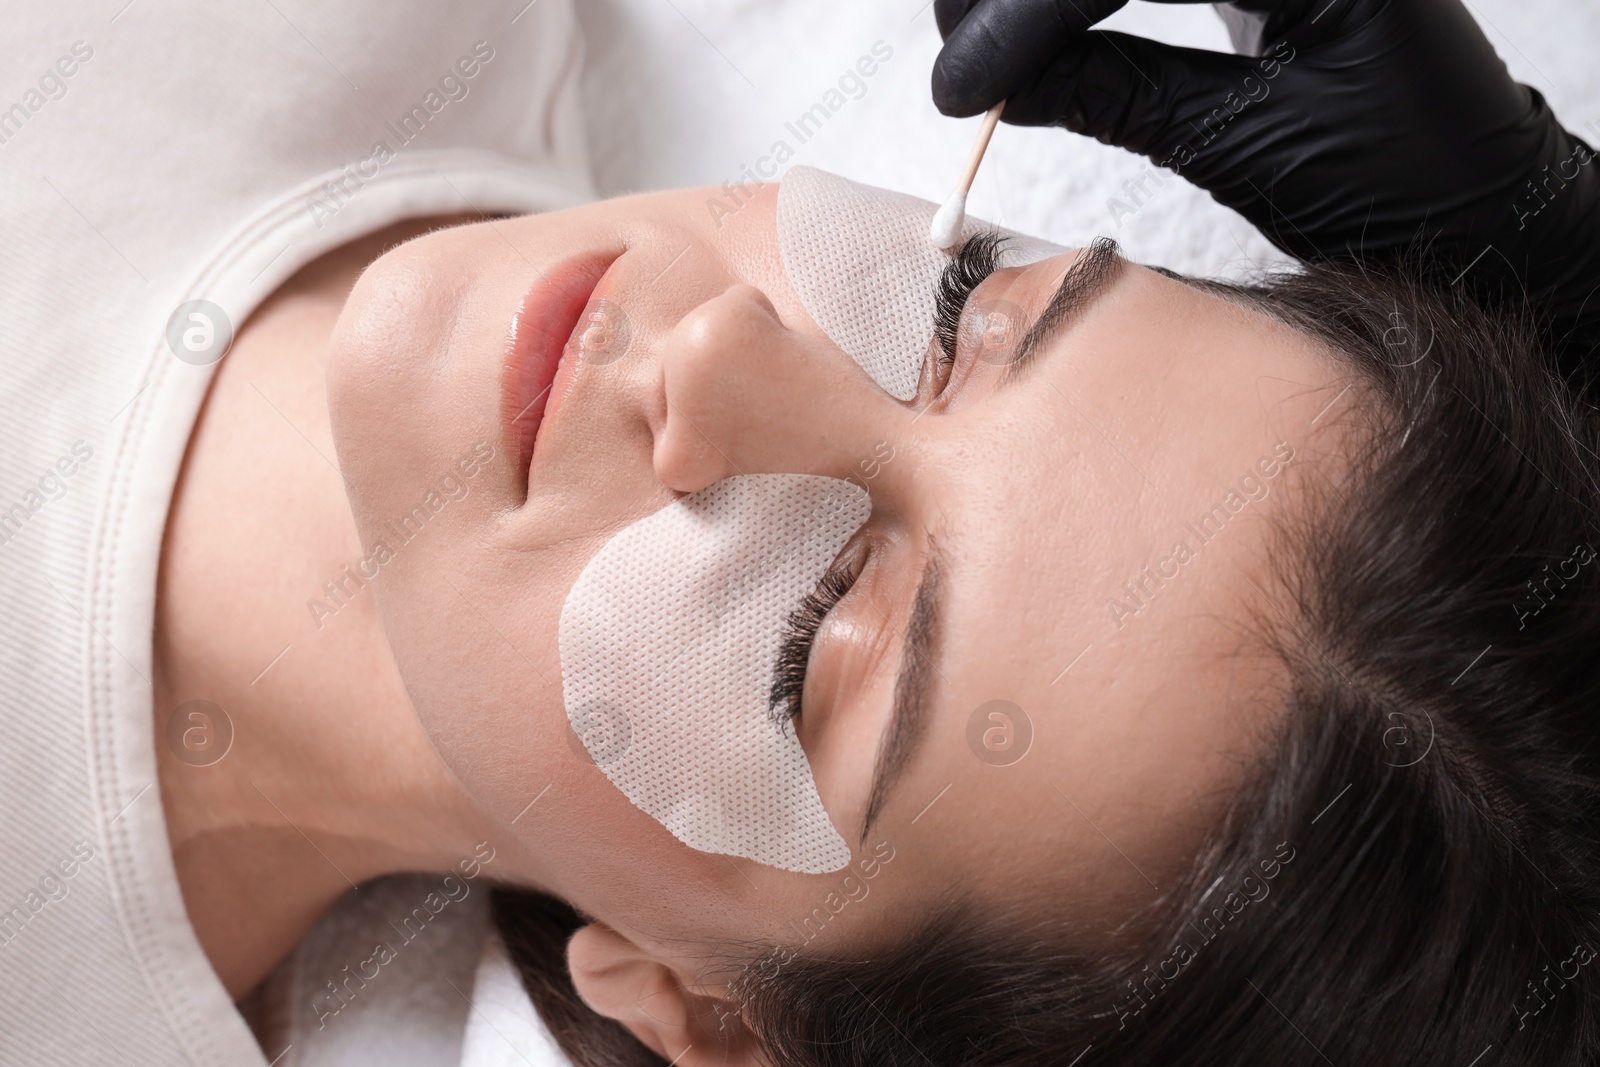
(947, 222)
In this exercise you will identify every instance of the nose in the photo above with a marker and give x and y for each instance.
(747, 395)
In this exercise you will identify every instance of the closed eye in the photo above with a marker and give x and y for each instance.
(978, 258)
(800, 633)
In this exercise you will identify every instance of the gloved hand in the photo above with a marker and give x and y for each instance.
(1346, 128)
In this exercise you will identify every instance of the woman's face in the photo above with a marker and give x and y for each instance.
(1080, 533)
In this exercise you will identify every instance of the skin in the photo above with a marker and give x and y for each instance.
(427, 714)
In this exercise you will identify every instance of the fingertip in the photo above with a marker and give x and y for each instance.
(958, 91)
(946, 99)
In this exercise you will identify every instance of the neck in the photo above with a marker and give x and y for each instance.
(329, 779)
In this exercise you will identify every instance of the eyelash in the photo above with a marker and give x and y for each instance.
(800, 631)
(978, 258)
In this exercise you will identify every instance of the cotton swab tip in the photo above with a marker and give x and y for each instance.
(948, 220)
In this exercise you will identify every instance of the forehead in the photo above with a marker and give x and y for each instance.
(1111, 536)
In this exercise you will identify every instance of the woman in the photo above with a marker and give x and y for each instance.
(1284, 710)
(1313, 673)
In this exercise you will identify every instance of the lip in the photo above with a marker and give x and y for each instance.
(541, 331)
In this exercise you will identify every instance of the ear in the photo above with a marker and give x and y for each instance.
(622, 981)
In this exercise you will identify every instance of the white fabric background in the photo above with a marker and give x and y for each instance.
(692, 91)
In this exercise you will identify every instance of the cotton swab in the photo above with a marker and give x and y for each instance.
(947, 221)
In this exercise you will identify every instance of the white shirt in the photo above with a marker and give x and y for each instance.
(165, 152)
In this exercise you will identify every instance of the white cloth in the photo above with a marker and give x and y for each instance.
(696, 91)
(503, 1030)
(152, 153)
(444, 993)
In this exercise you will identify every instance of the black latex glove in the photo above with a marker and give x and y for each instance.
(1347, 128)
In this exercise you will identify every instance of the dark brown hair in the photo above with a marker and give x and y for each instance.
(1409, 876)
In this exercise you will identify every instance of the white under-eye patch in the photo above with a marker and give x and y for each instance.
(668, 643)
(860, 261)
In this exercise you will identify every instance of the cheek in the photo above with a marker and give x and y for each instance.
(668, 641)
(474, 638)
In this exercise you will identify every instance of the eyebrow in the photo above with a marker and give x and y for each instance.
(1089, 276)
(913, 687)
